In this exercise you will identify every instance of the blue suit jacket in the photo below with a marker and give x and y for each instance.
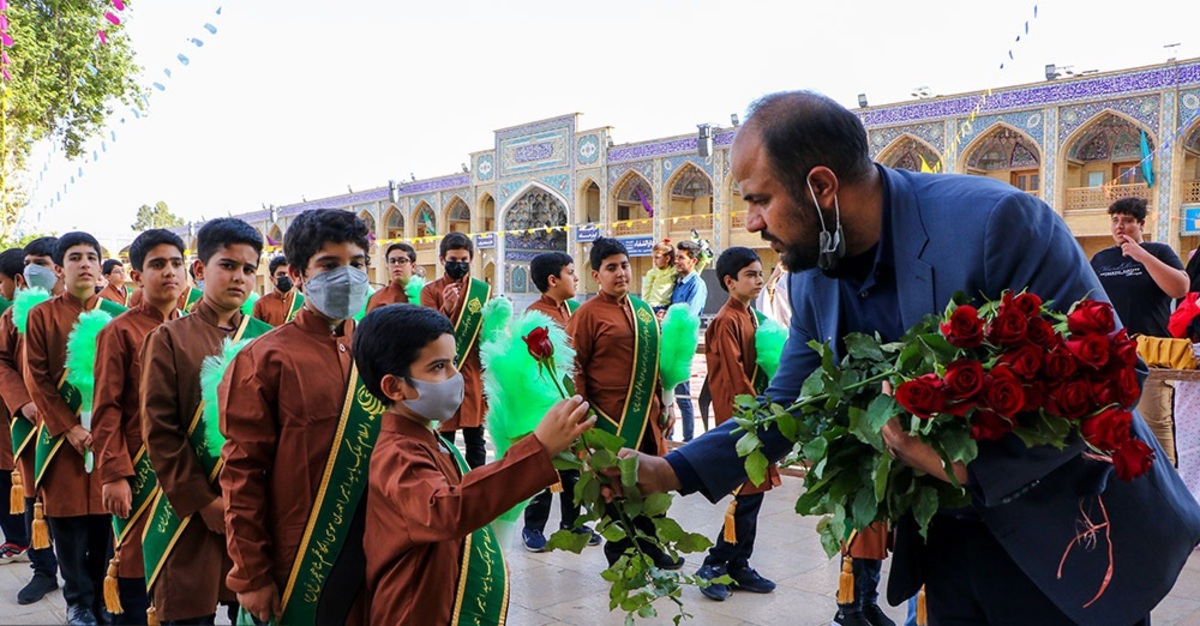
(980, 236)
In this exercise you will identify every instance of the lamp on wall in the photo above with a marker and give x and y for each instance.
(733, 119)
(393, 191)
(704, 140)
(862, 100)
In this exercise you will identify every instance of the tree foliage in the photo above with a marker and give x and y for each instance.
(157, 216)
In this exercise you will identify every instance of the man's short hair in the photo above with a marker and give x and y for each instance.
(408, 250)
(388, 340)
(313, 229)
(109, 266)
(277, 262)
(149, 240)
(456, 241)
(803, 129)
(692, 249)
(732, 261)
(12, 262)
(545, 265)
(224, 232)
(72, 239)
(42, 246)
(603, 248)
(1133, 207)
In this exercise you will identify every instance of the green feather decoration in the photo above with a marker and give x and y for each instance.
(211, 373)
(248, 305)
(497, 319)
(768, 344)
(363, 311)
(81, 355)
(680, 335)
(413, 289)
(25, 300)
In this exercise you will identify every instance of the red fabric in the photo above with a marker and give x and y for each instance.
(1183, 316)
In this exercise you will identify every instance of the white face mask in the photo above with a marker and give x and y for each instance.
(437, 402)
(338, 293)
(40, 276)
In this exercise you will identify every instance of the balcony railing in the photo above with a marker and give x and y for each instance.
(686, 223)
(1191, 192)
(643, 226)
(424, 244)
(737, 219)
(1100, 197)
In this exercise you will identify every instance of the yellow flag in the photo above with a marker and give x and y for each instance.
(925, 169)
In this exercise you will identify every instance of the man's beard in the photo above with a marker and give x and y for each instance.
(795, 257)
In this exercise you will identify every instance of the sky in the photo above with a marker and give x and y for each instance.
(299, 98)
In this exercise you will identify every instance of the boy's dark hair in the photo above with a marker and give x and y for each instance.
(277, 262)
(108, 267)
(224, 232)
(456, 241)
(692, 249)
(732, 261)
(408, 250)
(150, 240)
(12, 262)
(603, 248)
(545, 265)
(70, 240)
(389, 338)
(313, 229)
(42, 246)
(1133, 207)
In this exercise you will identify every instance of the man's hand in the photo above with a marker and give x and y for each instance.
(263, 603)
(30, 412)
(655, 475)
(213, 515)
(79, 438)
(563, 424)
(117, 497)
(1133, 249)
(918, 455)
(450, 295)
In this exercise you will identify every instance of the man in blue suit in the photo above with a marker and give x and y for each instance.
(1051, 538)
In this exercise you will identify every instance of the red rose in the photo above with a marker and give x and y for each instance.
(1107, 430)
(1091, 317)
(988, 426)
(1059, 365)
(1029, 304)
(964, 378)
(1103, 392)
(1123, 348)
(1024, 361)
(1007, 328)
(1091, 350)
(1070, 399)
(1041, 333)
(964, 328)
(1127, 389)
(1133, 459)
(922, 396)
(1035, 396)
(1003, 393)
(539, 344)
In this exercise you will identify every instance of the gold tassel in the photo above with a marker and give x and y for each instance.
(41, 530)
(152, 617)
(730, 535)
(16, 495)
(112, 592)
(846, 581)
(922, 610)
(556, 487)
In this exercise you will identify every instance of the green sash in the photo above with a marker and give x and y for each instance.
(572, 306)
(144, 485)
(22, 430)
(760, 380)
(482, 595)
(470, 319)
(339, 496)
(643, 378)
(194, 296)
(48, 446)
(297, 304)
(164, 527)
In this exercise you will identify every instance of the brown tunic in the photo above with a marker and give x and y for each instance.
(392, 294)
(731, 355)
(420, 509)
(67, 490)
(136, 298)
(470, 414)
(120, 296)
(555, 311)
(280, 406)
(14, 394)
(602, 330)
(273, 308)
(116, 424)
(192, 577)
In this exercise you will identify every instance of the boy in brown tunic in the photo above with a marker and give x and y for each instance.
(401, 259)
(16, 538)
(274, 307)
(71, 495)
(116, 290)
(282, 408)
(423, 514)
(190, 579)
(157, 259)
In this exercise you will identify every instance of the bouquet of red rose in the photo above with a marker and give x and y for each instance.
(975, 374)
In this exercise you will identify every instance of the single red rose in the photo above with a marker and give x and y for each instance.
(1059, 365)
(1107, 430)
(964, 329)
(1070, 399)
(1133, 459)
(922, 396)
(1029, 304)
(1091, 317)
(1025, 361)
(1103, 392)
(1123, 348)
(1035, 396)
(1007, 328)
(1003, 392)
(539, 344)
(1090, 350)
(988, 426)
(1041, 333)
(1128, 391)
(964, 379)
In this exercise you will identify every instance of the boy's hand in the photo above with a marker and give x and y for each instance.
(117, 497)
(262, 603)
(563, 424)
(79, 438)
(213, 515)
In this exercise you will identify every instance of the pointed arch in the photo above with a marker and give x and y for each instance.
(589, 205)
(369, 220)
(1107, 135)
(631, 195)
(1102, 162)
(457, 215)
(1006, 153)
(688, 200)
(516, 197)
(486, 208)
(393, 223)
(424, 220)
(907, 151)
(1189, 155)
(275, 234)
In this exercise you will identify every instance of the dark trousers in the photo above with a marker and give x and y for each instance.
(83, 544)
(43, 562)
(476, 450)
(735, 556)
(13, 525)
(971, 580)
(866, 584)
(134, 602)
(614, 549)
(538, 510)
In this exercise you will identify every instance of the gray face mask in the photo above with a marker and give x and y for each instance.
(437, 401)
(40, 276)
(337, 294)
